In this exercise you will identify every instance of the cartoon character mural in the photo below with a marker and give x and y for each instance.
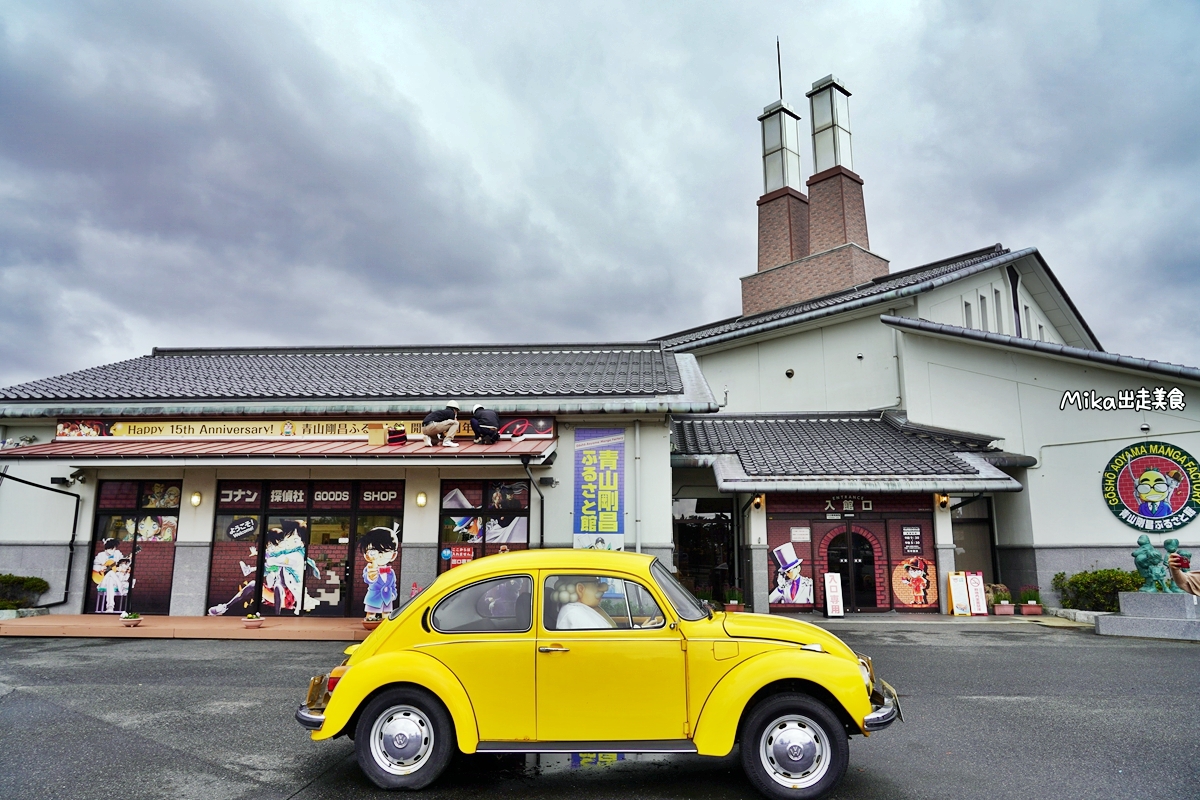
(790, 586)
(161, 495)
(379, 547)
(915, 575)
(111, 574)
(157, 529)
(1154, 490)
(284, 565)
(243, 599)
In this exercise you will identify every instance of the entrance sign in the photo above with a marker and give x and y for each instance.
(599, 481)
(1152, 486)
(976, 594)
(960, 602)
(833, 595)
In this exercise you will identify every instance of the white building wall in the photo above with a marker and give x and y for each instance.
(1061, 523)
(828, 374)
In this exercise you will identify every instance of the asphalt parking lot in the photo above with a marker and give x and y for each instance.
(1012, 712)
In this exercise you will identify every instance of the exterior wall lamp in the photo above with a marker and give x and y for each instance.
(422, 499)
(943, 501)
(759, 499)
(197, 498)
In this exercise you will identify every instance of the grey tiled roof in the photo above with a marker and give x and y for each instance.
(617, 370)
(827, 444)
(878, 286)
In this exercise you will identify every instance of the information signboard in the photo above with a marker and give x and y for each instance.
(960, 602)
(833, 595)
(976, 594)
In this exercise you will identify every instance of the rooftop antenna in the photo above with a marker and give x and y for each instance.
(779, 65)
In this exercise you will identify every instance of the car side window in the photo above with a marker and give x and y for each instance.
(598, 602)
(498, 605)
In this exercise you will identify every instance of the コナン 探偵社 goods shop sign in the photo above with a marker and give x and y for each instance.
(319, 429)
(1153, 486)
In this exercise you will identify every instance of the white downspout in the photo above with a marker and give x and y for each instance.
(637, 484)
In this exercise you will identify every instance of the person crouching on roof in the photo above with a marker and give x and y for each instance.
(486, 425)
(441, 426)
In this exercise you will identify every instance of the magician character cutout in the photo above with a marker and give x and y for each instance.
(379, 547)
(790, 586)
(283, 566)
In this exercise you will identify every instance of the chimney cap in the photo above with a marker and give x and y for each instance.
(777, 106)
(828, 80)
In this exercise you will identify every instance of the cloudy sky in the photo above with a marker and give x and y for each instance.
(208, 174)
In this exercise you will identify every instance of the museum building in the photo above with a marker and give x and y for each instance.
(889, 427)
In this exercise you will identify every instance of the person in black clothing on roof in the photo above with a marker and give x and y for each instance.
(486, 425)
(441, 426)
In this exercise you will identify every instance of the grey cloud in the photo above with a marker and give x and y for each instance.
(221, 174)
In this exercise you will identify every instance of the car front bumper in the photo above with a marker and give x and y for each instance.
(887, 709)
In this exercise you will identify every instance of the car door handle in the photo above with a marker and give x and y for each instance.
(554, 649)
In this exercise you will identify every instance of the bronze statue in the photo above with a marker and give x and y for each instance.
(1150, 565)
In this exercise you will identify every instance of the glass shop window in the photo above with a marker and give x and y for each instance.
(482, 517)
(133, 547)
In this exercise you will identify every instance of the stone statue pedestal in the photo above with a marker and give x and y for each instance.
(1154, 616)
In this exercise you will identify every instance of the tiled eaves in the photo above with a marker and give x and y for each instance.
(828, 444)
(169, 375)
(893, 282)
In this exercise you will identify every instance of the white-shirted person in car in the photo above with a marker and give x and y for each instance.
(580, 599)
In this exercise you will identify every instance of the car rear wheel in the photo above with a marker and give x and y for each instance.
(794, 747)
(404, 739)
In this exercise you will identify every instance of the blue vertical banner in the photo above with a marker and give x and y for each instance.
(600, 488)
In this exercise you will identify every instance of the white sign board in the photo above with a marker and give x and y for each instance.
(833, 595)
(976, 594)
(801, 534)
(960, 604)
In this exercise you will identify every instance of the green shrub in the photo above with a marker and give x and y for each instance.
(17, 591)
(733, 595)
(1095, 591)
(1030, 594)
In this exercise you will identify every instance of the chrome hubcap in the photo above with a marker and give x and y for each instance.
(795, 751)
(401, 740)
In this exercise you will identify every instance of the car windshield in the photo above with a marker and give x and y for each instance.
(681, 599)
(406, 603)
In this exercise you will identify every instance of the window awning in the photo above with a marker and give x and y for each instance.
(109, 452)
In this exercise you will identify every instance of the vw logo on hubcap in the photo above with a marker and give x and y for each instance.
(400, 740)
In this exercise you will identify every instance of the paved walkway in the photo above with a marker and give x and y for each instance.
(99, 625)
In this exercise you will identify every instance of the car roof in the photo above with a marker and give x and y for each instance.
(551, 558)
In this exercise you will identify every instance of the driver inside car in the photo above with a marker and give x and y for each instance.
(580, 599)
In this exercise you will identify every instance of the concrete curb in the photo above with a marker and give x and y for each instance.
(23, 612)
(1076, 615)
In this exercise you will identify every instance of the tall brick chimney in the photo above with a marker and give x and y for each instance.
(833, 253)
(783, 208)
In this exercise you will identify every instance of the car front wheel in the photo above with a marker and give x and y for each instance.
(404, 739)
(794, 748)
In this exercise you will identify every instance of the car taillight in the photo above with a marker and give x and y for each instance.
(335, 675)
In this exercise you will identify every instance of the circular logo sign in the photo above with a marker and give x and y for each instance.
(1153, 486)
(446, 554)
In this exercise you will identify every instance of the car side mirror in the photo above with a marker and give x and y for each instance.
(708, 609)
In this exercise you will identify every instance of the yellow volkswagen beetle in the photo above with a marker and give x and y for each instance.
(534, 651)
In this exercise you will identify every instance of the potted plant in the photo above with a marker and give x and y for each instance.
(1030, 601)
(734, 600)
(371, 621)
(252, 620)
(1002, 605)
(131, 619)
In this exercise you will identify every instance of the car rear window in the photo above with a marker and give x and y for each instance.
(498, 605)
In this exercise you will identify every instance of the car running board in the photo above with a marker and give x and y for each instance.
(630, 746)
